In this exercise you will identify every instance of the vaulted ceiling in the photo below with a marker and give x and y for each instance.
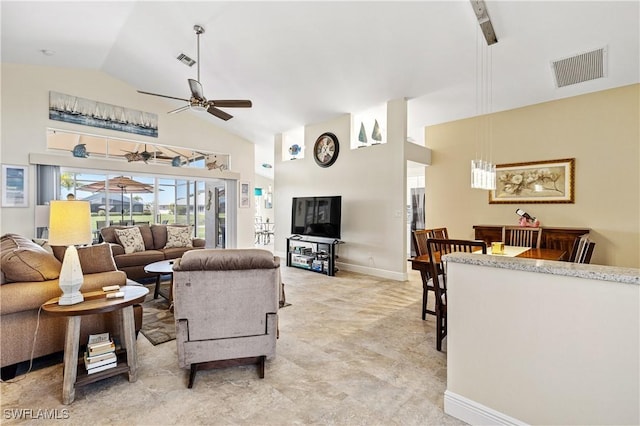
(308, 61)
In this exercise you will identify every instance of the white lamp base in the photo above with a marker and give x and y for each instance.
(71, 278)
(71, 299)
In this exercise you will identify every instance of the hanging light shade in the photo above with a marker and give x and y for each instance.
(483, 171)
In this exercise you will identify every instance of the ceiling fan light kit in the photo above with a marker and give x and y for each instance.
(197, 101)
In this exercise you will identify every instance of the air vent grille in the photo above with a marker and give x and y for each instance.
(186, 60)
(583, 67)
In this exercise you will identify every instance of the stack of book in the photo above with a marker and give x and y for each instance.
(100, 354)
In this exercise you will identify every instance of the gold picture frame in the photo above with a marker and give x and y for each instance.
(536, 182)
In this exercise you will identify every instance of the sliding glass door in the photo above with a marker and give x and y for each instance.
(138, 199)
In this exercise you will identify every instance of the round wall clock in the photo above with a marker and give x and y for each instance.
(325, 150)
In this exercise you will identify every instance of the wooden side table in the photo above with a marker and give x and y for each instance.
(96, 303)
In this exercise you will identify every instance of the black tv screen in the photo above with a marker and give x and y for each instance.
(316, 216)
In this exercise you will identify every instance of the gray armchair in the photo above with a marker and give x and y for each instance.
(226, 308)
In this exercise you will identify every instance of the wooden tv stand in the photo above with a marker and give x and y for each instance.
(320, 256)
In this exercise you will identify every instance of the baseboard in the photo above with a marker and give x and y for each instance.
(380, 273)
(474, 413)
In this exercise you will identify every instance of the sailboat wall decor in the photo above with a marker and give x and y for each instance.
(375, 134)
(73, 109)
(362, 136)
(369, 127)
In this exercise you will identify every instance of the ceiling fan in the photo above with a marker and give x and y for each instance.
(145, 155)
(197, 101)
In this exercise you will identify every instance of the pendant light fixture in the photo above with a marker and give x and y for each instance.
(483, 171)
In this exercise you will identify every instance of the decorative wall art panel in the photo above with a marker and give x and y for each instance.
(534, 182)
(15, 185)
(72, 109)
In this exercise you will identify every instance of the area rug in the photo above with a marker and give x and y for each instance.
(158, 324)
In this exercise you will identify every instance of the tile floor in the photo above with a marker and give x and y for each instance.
(352, 351)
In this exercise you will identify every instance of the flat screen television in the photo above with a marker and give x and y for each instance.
(316, 216)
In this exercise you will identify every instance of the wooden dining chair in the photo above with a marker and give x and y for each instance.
(419, 238)
(436, 249)
(582, 250)
(522, 236)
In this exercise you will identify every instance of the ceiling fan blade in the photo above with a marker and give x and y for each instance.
(219, 113)
(162, 96)
(233, 103)
(196, 89)
(178, 109)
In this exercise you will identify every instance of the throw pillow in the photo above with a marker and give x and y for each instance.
(23, 260)
(93, 259)
(131, 239)
(178, 236)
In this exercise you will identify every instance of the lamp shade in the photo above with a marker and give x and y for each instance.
(257, 192)
(69, 223)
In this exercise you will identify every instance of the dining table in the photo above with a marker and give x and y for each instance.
(421, 263)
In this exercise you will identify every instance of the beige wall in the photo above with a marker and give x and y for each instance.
(25, 118)
(600, 130)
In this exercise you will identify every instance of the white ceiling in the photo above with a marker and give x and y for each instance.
(308, 61)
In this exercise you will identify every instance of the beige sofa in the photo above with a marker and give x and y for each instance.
(226, 308)
(29, 278)
(155, 242)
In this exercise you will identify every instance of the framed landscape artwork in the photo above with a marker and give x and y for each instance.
(15, 184)
(549, 181)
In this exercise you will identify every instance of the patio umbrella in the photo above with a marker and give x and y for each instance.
(123, 183)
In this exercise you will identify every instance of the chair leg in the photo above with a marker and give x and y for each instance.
(425, 295)
(441, 327)
(424, 303)
(260, 363)
(439, 335)
(438, 331)
(192, 375)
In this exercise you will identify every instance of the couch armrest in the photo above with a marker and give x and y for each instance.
(116, 249)
(198, 242)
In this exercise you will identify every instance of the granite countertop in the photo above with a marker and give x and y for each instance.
(594, 272)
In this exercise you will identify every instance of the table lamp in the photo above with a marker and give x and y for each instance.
(70, 224)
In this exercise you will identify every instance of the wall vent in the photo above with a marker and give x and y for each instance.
(186, 60)
(583, 67)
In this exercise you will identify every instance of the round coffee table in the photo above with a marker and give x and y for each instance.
(163, 267)
(96, 302)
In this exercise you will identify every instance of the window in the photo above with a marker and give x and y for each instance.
(138, 199)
